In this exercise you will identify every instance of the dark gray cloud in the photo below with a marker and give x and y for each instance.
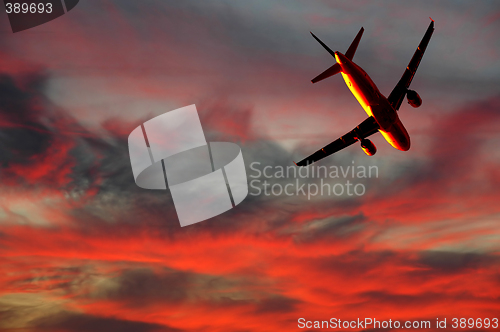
(330, 229)
(277, 304)
(356, 262)
(141, 286)
(455, 262)
(68, 321)
(22, 110)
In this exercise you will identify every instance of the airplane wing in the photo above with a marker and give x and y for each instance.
(366, 128)
(398, 94)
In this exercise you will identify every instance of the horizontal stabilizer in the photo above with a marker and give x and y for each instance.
(332, 53)
(335, 69)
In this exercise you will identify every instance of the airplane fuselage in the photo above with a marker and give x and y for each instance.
(374, 103)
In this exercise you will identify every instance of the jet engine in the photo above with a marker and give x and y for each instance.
(368, 147)
(413, 98)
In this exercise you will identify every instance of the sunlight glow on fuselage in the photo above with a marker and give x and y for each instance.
(374, 103)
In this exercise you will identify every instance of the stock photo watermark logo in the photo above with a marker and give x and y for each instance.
(310, 181)
(27, 14)
(205, 178)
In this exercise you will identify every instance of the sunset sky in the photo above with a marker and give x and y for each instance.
(83, 248)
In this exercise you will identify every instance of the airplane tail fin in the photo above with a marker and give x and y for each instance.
(335, 69)
(354, 45)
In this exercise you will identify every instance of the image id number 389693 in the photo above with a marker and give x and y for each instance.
(24, 8)
(474, 323)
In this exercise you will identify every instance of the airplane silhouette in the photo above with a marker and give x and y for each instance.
(382, 111)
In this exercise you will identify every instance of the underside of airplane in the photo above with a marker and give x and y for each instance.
(381, 111)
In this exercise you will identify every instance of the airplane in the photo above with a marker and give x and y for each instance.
(382, 111)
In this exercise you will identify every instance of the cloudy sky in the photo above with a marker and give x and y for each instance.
(82, 248)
